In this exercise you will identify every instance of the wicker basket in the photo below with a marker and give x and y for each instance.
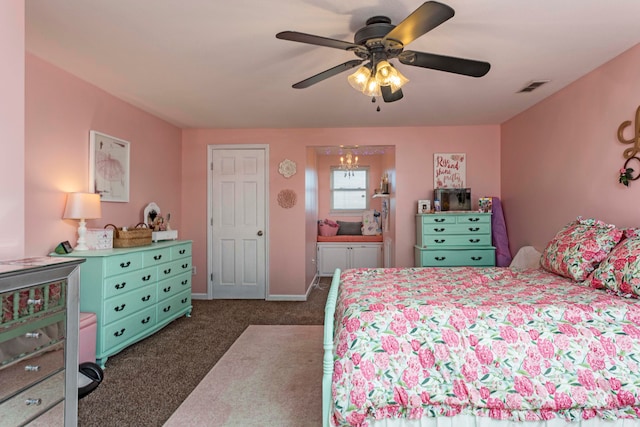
(138, 236)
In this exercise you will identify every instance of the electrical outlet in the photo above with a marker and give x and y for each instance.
(193, 270)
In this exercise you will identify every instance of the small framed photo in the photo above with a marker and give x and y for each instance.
(424, 206)
(108, 167)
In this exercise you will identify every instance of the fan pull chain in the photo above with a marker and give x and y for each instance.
(373, 99)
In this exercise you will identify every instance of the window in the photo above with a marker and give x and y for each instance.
(349, 192)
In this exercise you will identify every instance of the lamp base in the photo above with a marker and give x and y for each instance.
(81, 244)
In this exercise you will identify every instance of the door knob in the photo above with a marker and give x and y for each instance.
(260, 233)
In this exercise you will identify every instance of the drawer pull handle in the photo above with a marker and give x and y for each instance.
(33, 335)
(184, 282)
(147, 298)
(184, 300)
(185, 265)
(119, 333)
(157, 257)
(476, 258)
(440, 240)
(439, 219)
(474, 219)
(438, 230)
(32, 368)
(125, 264)
(474, 240)
(441, 258)
(34, 301)
(120, 308)
(121, 285)
(167, 289)
(182, 251)
(167, 271)
(146, 278)
(33, 402)
(146, 320)
(167, 309)
(474, 228)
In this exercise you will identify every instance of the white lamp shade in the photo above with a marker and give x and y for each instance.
(82, 206)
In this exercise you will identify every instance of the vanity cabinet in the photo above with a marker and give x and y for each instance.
(452, 239)
(347, 255)
(135, 292)
(39, 341)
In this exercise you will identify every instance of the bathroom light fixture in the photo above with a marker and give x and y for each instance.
(82, 206)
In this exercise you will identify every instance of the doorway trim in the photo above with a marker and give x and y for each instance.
(210, 150)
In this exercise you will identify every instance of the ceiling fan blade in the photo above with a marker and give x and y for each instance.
(389, 96)
(424, 19)
(328, 73)
(295, 36)
(466, 67)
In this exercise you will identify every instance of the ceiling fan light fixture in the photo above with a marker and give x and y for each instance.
(359, 79)
(372, 88)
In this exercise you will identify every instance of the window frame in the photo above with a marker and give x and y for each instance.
(347, 212)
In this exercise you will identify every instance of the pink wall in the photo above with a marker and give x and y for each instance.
(289, 228)
(60, 111)
(560, 158)
(12, 119)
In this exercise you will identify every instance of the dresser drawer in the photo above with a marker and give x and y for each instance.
(28, 338)
(117, 285)
(156, 257)
(33, 401)
(181, 251)
(124, 263)
(123, 305)
(119, 333)
(30, 369)
(437, 229)
(173, 285)
(455, 258)
(432, 241)
(35, 300)
(173, 305)
(174, 268)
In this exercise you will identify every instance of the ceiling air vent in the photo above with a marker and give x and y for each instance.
(533, 85)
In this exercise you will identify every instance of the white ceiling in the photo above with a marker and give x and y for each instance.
(217, 64)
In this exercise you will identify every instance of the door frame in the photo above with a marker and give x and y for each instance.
(222, 147)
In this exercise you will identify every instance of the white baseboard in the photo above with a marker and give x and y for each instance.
(199, 296)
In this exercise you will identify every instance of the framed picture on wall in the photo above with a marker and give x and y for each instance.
(109, 167)
(449, 170)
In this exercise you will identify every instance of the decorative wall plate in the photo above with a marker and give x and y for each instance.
(287, 168)
(287, 198)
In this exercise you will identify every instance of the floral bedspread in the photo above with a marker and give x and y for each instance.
(493, 342)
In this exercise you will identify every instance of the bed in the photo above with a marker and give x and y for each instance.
(460, 346)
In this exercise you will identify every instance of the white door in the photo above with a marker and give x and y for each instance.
(237, 228)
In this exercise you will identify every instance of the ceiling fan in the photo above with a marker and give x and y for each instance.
(378, 42)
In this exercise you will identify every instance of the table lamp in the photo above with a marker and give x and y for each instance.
(82, 206)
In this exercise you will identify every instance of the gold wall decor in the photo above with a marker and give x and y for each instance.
(287, 198)
(626, 172)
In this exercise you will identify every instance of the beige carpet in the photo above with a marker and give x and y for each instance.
(270, 376)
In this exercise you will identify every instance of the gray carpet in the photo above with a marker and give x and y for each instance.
(145, 383)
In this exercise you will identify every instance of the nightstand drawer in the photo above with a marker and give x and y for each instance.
(31, 369)
(455, 258)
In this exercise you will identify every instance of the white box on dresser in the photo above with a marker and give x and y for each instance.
(39, 341)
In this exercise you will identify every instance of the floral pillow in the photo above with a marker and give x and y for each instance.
(579, 247)
(620, 271)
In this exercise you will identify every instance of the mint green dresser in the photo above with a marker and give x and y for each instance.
(134, 291)
(452, 239)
